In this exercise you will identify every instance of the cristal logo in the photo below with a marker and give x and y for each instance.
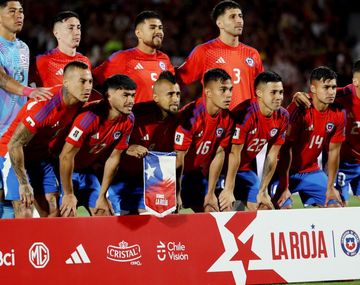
(39, 255)
(298, 245)
(7, 259)
(175, 251)
(124, 253)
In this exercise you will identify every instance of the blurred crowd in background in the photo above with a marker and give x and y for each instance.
(292, 37)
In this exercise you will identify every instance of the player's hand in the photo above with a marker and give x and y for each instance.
(264, 201)
(333, 194)
(211, 203)
(68, 206)
(103, 207)
(302, 99)
(279, 200)
(38, 94)
(138, 151)
(26, 195)
(226, 200)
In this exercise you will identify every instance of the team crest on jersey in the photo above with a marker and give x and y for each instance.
(329, 127)
(273, 132)
(117, 135)
(219, 132)
(162, 65)
(250, 61)
(236, 134)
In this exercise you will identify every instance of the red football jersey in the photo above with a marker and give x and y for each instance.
(242, 63)
(254, 130)
(47, 120)
(49, 67)
(150, 131)
(141, 67)
(97, 137)
(310, 131)
(350, 149)
(201, 134)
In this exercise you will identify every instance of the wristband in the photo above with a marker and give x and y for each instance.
(27, 91)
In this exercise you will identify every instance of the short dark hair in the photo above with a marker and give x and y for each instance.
(3, 3)
(216, 74)
(144, 15)
(168, 76)
(222, 6)
(322, 73)
(267, 76)
(64, 15)
(356, 66)
(75, 64)
(119, 81)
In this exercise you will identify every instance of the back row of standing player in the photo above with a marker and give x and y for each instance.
(143, 65)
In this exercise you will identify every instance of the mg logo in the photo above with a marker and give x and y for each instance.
(39, 255)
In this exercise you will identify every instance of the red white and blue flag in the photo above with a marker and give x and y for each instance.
(160, 183)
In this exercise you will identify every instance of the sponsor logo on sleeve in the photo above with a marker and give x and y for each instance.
(30, 121)
(236, 133)
(75, 134)
(179, 138)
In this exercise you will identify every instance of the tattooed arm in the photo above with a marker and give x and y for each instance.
(10, 85)
(20, 138)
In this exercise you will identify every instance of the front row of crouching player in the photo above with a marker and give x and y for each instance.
(83, 142)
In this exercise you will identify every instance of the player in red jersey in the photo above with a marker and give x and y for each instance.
(26, 148)
(259, 122)
(349, 170)
(48, 70)
(204, 132)
(154, 130)
(99, 135)
(322, 126)
(242, 62)
(143, 63)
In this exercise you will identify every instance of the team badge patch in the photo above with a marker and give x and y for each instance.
(75, 134)
(329, 127)
(162, 65)
(350, 243)
(117, 135)
(250, 61)
(219, 132)
(273, 132)
(179, 138)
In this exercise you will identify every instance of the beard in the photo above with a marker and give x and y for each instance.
(154, 43)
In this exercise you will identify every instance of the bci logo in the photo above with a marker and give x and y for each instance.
(7, 258)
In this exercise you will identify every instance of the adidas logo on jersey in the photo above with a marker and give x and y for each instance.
(145, 138)
(138, 66)
(79, 256)
(60, 72)
(220, 60)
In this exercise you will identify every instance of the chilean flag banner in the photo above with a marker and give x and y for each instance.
(160, 183)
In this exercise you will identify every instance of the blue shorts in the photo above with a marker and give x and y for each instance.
(41, 175)
(311, 187)
(86, 189)
(194, 187)
(247, 185)
(348, 174)
(127, 195)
